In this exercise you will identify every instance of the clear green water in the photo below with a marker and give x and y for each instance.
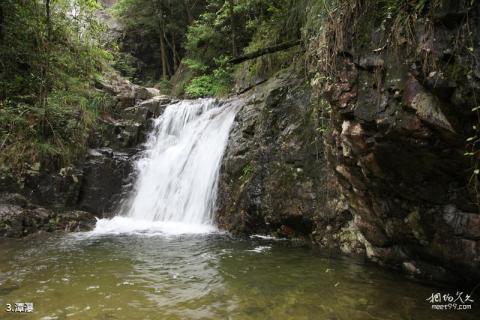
(200, 277)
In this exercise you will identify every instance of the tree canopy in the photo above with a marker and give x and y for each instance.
(51, 51)
(204, 35)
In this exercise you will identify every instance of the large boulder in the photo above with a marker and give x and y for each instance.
(11, 220)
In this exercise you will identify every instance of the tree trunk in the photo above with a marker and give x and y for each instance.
(164, 57)
(46, 70)
(1, 22)
(169, 69)
(231, 6)
(161, 30)
(188, 12)
(175, 54)
(174, 47)
(49, 20)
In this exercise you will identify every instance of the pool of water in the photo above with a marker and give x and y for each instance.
(85, 276)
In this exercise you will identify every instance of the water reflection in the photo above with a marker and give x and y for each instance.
(199, 277)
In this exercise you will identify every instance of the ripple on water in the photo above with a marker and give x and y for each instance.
(206, 276)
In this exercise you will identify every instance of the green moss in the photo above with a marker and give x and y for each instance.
(247, 173)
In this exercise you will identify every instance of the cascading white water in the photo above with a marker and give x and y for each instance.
(177, 175)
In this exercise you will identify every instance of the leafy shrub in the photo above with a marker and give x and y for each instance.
(217, 83)
(48, 103)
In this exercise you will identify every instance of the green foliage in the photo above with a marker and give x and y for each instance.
(316, 15)
(195, 65)
(149, 25)
(216, 84)
(48, 65)
(232, 28)
(247, 173)
(164, 86)
(199, 32)
(53, 136)
(125, 63)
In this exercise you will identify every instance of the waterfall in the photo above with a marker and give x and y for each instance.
(177, 174)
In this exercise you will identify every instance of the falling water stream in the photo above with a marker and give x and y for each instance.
(162, 257)
(175, 191)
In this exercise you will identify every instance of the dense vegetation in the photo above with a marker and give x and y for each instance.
(50, 54)
(193, 41)
(52, 51)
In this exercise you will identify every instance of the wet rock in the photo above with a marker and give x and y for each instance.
(426, 105)
(397, 145)
(129, 133)
(137, 114)
(465, 225)
(74, 221)
(11, 220)
(410, 267)
(56, 190)
(105, 173)
(19, 218)
(13, 199)
(272, 178)
(125, 99)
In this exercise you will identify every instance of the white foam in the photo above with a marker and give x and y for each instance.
(178, 172)
(177, 175)
(260, 249)
(266, 237)
(128, 225)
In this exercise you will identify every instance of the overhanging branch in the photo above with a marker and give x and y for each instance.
(264, 51)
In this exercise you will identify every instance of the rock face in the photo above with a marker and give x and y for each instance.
(399, 133)
(114, 28)
(108, 167)
(18, 218)
(69, 199)
(272, 177)
(105, 173)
